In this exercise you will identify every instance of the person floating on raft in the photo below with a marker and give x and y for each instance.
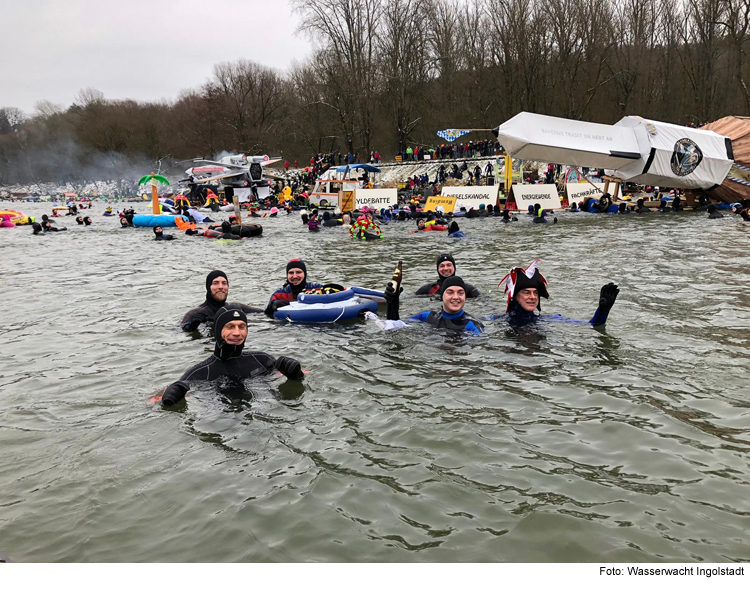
(224, 233)
(525, 286)
(296, 283)
(217, 291)
(430, 226)
(365, 228)
(446, 267)
(451, 316)
(229, 360)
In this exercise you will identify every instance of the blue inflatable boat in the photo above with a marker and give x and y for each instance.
(334, 307)
(151, 221)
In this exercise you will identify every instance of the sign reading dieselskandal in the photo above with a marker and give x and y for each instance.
(545, 195)
(581, 191)
(469, 197)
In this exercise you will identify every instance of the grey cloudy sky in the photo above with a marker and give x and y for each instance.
(138, 49)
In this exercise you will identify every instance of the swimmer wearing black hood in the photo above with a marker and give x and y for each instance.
(452, 316)
(160, 235)
(446, 267)
(229, 359)
(217, 291)
(296, 283)
(526, 286)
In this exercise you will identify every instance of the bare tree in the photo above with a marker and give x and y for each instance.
(346, 31)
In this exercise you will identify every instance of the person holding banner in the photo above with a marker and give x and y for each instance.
(524, 288)
(446, 267)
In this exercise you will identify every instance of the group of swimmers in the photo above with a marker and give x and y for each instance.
(523, 286)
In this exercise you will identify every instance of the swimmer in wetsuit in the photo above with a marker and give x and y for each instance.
(217, 291)
(48, 227)
(296, 283)
(452, 315)
(524, 288)
(160, 235)
(446, 267)
(228, 359)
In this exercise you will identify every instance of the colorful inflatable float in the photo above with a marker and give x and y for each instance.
(16, 217)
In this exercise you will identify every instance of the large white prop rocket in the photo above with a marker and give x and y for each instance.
(634, 149)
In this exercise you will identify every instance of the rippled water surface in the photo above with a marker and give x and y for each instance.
(553, 443)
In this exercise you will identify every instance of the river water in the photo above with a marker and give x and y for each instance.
(553, 443)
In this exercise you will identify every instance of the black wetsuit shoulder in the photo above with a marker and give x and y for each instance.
(248, 365)
(206, 312)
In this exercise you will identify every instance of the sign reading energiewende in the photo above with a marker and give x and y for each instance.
(376, 198)
(545, 195)
(469, 197)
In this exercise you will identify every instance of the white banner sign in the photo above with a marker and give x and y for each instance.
(375, 198)
(545, 195)
(469, 197)
(581, 191)
(244, 194)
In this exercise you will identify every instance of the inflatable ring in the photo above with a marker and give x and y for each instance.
(325, 298)
(248, 230)
(344, 305)
(369, 294)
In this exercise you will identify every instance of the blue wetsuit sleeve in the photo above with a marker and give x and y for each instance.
(421, 317)
(599, 318)
(473, 328)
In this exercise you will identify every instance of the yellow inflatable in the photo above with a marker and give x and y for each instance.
(17, 217)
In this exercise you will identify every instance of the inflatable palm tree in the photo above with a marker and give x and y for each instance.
(155, 179)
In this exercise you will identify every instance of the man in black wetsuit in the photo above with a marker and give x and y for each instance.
(296, 283)
(160, 235)
(228, 359)
(217, 290)
(446, 267)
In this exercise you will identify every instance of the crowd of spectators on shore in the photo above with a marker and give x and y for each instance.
(480, 149)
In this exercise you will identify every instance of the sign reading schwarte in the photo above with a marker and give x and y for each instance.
(545, 195)
(448, 203)
(469, 197)
(578, 192)
(376, 198)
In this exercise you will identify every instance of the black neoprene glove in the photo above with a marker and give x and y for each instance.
(607, 297)
(274, 305)
(195, 321)
(392, 301)
(174, 393)
(291, 368)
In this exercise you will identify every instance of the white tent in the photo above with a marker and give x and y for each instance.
(635, 149)
(676, 156)
(529, 136)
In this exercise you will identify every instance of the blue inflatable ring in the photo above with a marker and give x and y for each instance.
(325, 298)
(340, 306)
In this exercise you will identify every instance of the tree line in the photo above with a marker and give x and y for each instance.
(386, 74)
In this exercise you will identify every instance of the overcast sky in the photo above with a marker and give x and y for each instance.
(138, 49)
